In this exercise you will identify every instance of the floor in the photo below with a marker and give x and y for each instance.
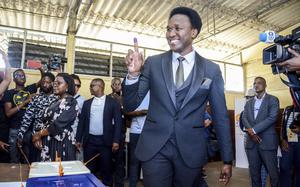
(240, 176)
(11, 172)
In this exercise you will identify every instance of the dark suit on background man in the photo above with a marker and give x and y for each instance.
(264, 152)
(112, 124)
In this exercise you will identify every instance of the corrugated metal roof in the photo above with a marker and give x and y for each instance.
(228, 25)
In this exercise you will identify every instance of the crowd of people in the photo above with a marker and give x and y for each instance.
(164, 102)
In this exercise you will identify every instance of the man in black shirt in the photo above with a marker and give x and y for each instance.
(15, 103)
(119, 156)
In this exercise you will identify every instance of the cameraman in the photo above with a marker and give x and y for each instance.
(292, 64)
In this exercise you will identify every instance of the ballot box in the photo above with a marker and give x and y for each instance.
(84, 180)
(46, 169)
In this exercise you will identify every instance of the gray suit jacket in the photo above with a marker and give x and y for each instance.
(163, 117)
(264, 124)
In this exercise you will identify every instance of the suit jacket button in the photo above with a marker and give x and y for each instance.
(175, 117)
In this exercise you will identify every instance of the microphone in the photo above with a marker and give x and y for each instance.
(268, 36)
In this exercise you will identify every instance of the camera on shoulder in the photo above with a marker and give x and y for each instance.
(56, 62)
(278, 52)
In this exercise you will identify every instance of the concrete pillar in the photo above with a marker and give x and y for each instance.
(70, 52)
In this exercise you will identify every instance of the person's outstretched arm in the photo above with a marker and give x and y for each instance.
(7, 78)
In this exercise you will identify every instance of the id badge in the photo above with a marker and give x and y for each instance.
(292, 137)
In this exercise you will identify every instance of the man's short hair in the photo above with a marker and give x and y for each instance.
(74, 76)
(191, 14)
(115, 79)
(50, 75)
(261, 78)
(99, 80)
(14, 73)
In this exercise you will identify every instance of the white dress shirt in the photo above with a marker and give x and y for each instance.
(257, 104)
(188, 64)
(96, 116)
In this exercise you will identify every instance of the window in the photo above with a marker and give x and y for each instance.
(222, 68)
(91, 64)
(15, 54)
(234, 78)
(119, 68)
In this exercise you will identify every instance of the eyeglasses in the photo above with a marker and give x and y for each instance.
(78, 85)
(93, 85)
(19, 76)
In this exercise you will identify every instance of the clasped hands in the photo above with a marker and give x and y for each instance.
(37, 138)
(253, 136)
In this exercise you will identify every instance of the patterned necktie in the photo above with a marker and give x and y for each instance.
(179, 72)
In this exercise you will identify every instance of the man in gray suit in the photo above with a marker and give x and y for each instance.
(172, 145)
(261, 142)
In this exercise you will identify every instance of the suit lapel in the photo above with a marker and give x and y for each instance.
(168, 75)
(197, 79)
(88, 113)
(105, 110)
(89, 106)
(252, 102)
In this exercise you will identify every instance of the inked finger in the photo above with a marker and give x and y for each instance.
(135, 44)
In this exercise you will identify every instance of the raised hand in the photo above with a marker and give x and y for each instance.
(134, 60)
(5, 59)
(7, 79)
(292, 64)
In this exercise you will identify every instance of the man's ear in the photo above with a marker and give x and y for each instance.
(194, 33)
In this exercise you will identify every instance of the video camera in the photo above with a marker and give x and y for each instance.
(278, 53)
(56, 62)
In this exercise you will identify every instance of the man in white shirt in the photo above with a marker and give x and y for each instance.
(99, 130)
(261, 142)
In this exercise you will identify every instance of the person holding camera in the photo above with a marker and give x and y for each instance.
(292, 64)
(290, 147)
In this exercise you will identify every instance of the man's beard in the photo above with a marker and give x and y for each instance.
(47, 90)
